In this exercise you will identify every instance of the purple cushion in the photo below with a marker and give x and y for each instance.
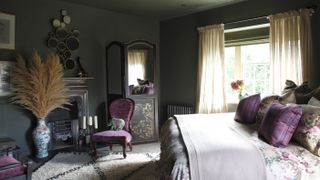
(247, 109)
(113, 135)
(10, 167)
(280, 123)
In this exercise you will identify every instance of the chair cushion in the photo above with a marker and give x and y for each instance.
(10, 167)
(111, 135)
(279, 124)
(247, 109)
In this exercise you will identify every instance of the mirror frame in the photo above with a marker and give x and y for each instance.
(122, 59)
(126, 79)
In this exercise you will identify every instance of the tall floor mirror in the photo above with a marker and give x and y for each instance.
(131, 73)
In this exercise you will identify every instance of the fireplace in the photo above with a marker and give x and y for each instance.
(65, 123)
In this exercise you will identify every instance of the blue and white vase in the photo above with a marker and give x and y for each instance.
(41, 138)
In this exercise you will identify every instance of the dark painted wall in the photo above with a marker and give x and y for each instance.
(179, 45)
(97, 28)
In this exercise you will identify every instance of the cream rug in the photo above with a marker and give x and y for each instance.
(81, 166)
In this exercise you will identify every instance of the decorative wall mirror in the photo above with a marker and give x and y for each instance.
(130, 71)
(115, 71)
(140, 68)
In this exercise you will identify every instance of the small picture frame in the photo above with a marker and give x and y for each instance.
(6, 68)
(7, 31)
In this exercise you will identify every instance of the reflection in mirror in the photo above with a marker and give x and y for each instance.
(136, 65)
(141, 59)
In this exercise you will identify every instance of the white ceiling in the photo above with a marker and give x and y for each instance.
(159, 9)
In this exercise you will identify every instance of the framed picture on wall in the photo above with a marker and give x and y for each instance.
(5, 72)
(7, 31)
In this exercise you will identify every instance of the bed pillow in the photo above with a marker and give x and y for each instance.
(247, 109)
(296, 94)
(265, 103)
(279, 124)
(308, 130)
(314, 102)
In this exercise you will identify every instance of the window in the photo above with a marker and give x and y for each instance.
(250, 63)
(247, 58)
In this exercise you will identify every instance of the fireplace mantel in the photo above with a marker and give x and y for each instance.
(76, 81)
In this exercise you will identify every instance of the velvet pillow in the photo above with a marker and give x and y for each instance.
(303, 98)
(266, 102)
(247, 109)
(308, 130)
(280, 123)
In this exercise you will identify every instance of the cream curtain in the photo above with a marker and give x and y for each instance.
(211, 95)
(136, 65)
(290, 48)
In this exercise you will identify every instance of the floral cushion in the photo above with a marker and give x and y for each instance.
(279, 124)
(247, 109)
(308, 130)
(265, 103)
(116, 124)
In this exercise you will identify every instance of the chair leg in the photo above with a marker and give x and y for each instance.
(94, 147)
(124, 148)
(130, 146)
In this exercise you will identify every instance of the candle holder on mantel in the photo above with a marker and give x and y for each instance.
(88, 128)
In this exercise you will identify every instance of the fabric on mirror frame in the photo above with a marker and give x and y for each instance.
(211, 94)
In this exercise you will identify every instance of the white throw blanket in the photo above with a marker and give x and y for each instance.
(217, 151)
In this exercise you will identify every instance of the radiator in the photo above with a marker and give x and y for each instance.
(173, 109)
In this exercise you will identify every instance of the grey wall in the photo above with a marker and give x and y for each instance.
(97, 28)
(179, 44)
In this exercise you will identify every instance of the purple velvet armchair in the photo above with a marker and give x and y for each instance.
(123, 109)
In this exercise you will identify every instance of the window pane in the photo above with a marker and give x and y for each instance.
(255, 70)
(255, 53)
(255, 62)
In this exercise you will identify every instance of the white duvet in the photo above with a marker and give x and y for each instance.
(217, 151)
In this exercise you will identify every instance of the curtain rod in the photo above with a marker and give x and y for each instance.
(314, 7)
(245, 20)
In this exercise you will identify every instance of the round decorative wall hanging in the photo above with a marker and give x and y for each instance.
(64, 40)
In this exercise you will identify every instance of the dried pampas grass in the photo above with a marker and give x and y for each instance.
(38, 86)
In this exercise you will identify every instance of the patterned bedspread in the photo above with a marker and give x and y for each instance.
(290, 163)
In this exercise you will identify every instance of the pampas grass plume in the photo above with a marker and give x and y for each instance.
(38, 86)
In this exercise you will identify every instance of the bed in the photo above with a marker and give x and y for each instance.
(230, 159)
